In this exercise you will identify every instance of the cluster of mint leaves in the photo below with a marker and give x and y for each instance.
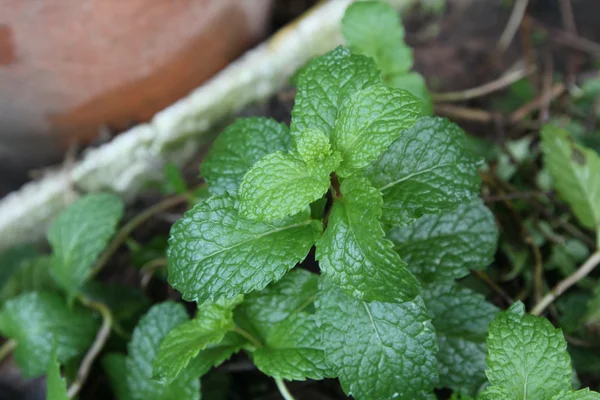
(388, 199)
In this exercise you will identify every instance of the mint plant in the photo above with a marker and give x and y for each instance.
(361, 150)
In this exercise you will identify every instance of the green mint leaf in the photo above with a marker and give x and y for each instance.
(325, 84)
(575, 172)
(56, 388)
(353, 252)
(12, 260)
(32, 276)
(446, 246)
(281, 184)
(214, 251)
(584, 394)
(215, 354)
(313, 146)
(143, 348)
(461, 318)
(428, 169)
(293, 350)
(115, 367)
(527, 358)
(36, 320)
(183, 343)
(378, 350)
(295, 292)
(79, 234)
(414, 83)
(239, 147)
(373, 28)
(369, 121)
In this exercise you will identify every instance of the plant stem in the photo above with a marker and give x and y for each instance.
(283, 389)
(149, 269)
(490, 87)
(248, 336)
(97, 346)
(7, 348)
(566, 283)
(513, 24)
(130, 226)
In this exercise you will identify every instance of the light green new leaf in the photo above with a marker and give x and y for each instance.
(293, 350)
(295, 292)
(56, 386)
(78, 236)
(183, 343)
(576, 173)
(38, 319)
(143, 348)
(378, 350)
(115, 367)
(353, 252)
(313, 146)
(214, 251)
(281, 184)
(527, 357)
(369, 122)
(428, 169)
(461, 318)
(373, 28)
(584, 394)
(325, 84)
(239, 147)
(447, 245)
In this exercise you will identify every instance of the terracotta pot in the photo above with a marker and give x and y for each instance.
(69, 71)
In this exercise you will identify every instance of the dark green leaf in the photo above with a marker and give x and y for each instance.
(378, 350)
(216, 252)
(447, 245)
(353, 252)
(428, 169)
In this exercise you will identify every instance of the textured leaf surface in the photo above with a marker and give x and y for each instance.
(378, 350)
(353, 252)
(528, 357)
(293, 350)
(56, 388)
(115, 366)
(214, 252)
(280, 185)
(215, 354)
(575, 170)
(584, 394)
(313, 146)
(447, 245)
(239, 147)
(461, 318)
(182, 344)
(325, 84)
(369, 122)
(426, 170)
(144, 347)
(373, 28)
(295, 292)
(79, 234)
(36, 320)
